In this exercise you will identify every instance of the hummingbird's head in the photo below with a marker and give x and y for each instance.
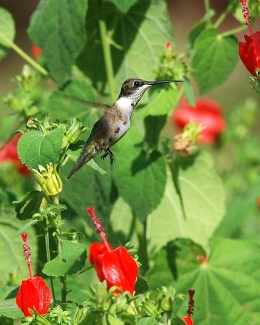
(134, 88)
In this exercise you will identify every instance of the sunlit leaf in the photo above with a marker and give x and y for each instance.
(36, 148)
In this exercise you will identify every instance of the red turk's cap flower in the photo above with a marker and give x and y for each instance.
(116, 266)
(34, 294)
(9, 153)
(249, 52)
(207, 113)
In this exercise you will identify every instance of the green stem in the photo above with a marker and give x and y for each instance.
(207, 8)
(141, 229)
(107, 53)
(233, 31)
(48, 255)
(222, 16)
(22, 54)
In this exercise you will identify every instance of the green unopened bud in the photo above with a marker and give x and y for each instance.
(150, 308)
(48, 179)
(168, 298)
(75, 129)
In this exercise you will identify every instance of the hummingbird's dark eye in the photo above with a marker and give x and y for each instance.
(136, 83)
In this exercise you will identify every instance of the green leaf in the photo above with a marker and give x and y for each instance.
(189, 92)
(36, 148)
(8, 306)
(11, 251)
(140, 180)
(163, 101)
(153, 128)
(92, 189)
(141, 285)
(124, 5)
(214, 58)
(141, 33)
(197, 29)
(191, 208)
(69, 261)
(58, 28)
(74, 100)
(7, 28)
(29, 205)
(226, 285)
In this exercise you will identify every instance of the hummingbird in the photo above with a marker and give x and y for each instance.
(115, 121)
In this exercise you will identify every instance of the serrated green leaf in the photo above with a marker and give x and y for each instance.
(214, 58)
(69, 261)
(29, 205)
(7, 28)
(58, 28)
(193, 208)
(226, 285)
(124, 5)
(36, 148)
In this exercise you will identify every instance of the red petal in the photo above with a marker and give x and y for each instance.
(96, 253)
(120, 269)
(9, 154)
(187, 320)
(34, 294)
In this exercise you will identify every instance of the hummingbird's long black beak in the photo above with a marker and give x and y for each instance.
(158, 82)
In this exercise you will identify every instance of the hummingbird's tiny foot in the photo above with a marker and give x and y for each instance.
(111, 156)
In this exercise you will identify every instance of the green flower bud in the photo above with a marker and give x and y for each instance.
(150, 308)
(75, 129)
(48, 179)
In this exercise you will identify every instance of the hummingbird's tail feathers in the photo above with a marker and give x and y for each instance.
(86, 155)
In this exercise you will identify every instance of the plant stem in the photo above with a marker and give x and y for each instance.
(222, 16)
(23, 54)
(107, 53)
(141, 234)
(233, 31)
(48, 255)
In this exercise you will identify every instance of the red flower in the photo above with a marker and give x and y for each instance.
(207, 113)
(116, 266)
(36, 51)
(34, 294)
(249, 52)
(188, 320)
(9, 154)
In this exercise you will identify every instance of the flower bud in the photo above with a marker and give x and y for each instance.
(73, 133)
(48, 179)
